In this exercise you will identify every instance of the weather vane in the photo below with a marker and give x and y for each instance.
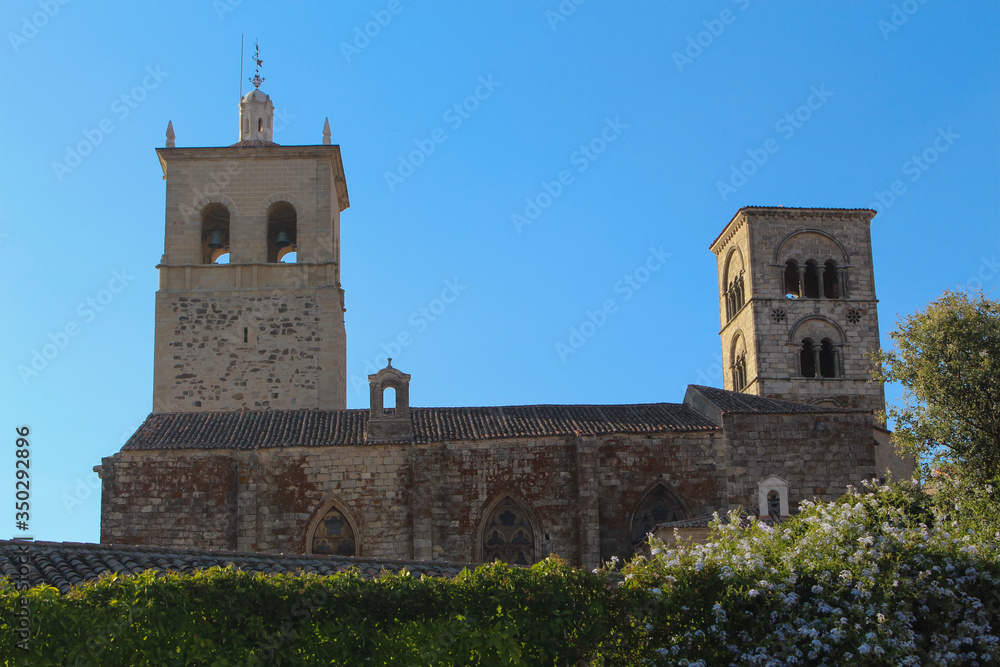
(256, 80)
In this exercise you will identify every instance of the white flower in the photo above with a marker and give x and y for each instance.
(817, 589)
(752, 592)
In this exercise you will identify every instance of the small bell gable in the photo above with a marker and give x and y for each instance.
(389, 422)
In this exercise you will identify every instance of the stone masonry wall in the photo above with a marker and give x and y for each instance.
(689, 465)
(423, 502)
(251, 334)
(818, 455)
(169, 499)
(231, 350)
(776, 325)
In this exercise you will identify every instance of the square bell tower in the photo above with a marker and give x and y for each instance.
(250, 309)
(797, 305)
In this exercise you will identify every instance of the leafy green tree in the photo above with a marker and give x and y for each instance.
(947, 358)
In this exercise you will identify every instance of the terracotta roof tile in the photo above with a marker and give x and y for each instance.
(324, 428)
(736, 402)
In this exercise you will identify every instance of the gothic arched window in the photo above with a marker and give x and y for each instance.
(333, 535)
(659, 506)
(508, 535)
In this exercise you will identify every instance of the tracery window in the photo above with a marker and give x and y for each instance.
(659, 506)
(334, 535)
(508, 535)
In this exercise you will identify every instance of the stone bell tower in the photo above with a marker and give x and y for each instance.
(797, 305)
(250, 309)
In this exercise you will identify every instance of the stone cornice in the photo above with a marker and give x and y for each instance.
(785, 213)
(330, 153)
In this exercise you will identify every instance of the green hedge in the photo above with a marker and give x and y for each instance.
(496, 615)
(885, 577)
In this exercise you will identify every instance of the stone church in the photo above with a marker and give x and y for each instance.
(250, 446)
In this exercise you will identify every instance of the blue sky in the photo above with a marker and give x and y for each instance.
(618, 121)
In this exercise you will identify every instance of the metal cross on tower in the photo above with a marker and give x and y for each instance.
(256, 79)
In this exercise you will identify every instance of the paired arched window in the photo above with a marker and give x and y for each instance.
(735, 288)
(282, 232)
(738, 363)
(812, 280)
(509, 534)
(819, 360)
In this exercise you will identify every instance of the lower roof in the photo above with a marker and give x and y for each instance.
(65, 565)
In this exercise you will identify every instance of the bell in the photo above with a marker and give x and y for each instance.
(215, 240)
(282, 241)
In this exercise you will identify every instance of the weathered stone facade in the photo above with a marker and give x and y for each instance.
(254, 333)
(250, 447)
(580, 474)
(804, 276)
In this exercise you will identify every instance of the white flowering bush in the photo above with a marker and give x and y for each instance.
(880, 577)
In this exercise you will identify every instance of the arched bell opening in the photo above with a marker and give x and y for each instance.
(282, 228)
(214, 233)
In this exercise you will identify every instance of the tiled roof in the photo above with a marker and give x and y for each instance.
(736, 402)
(68, 564)
(323, 428)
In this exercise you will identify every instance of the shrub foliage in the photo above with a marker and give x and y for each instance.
(886, 576)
